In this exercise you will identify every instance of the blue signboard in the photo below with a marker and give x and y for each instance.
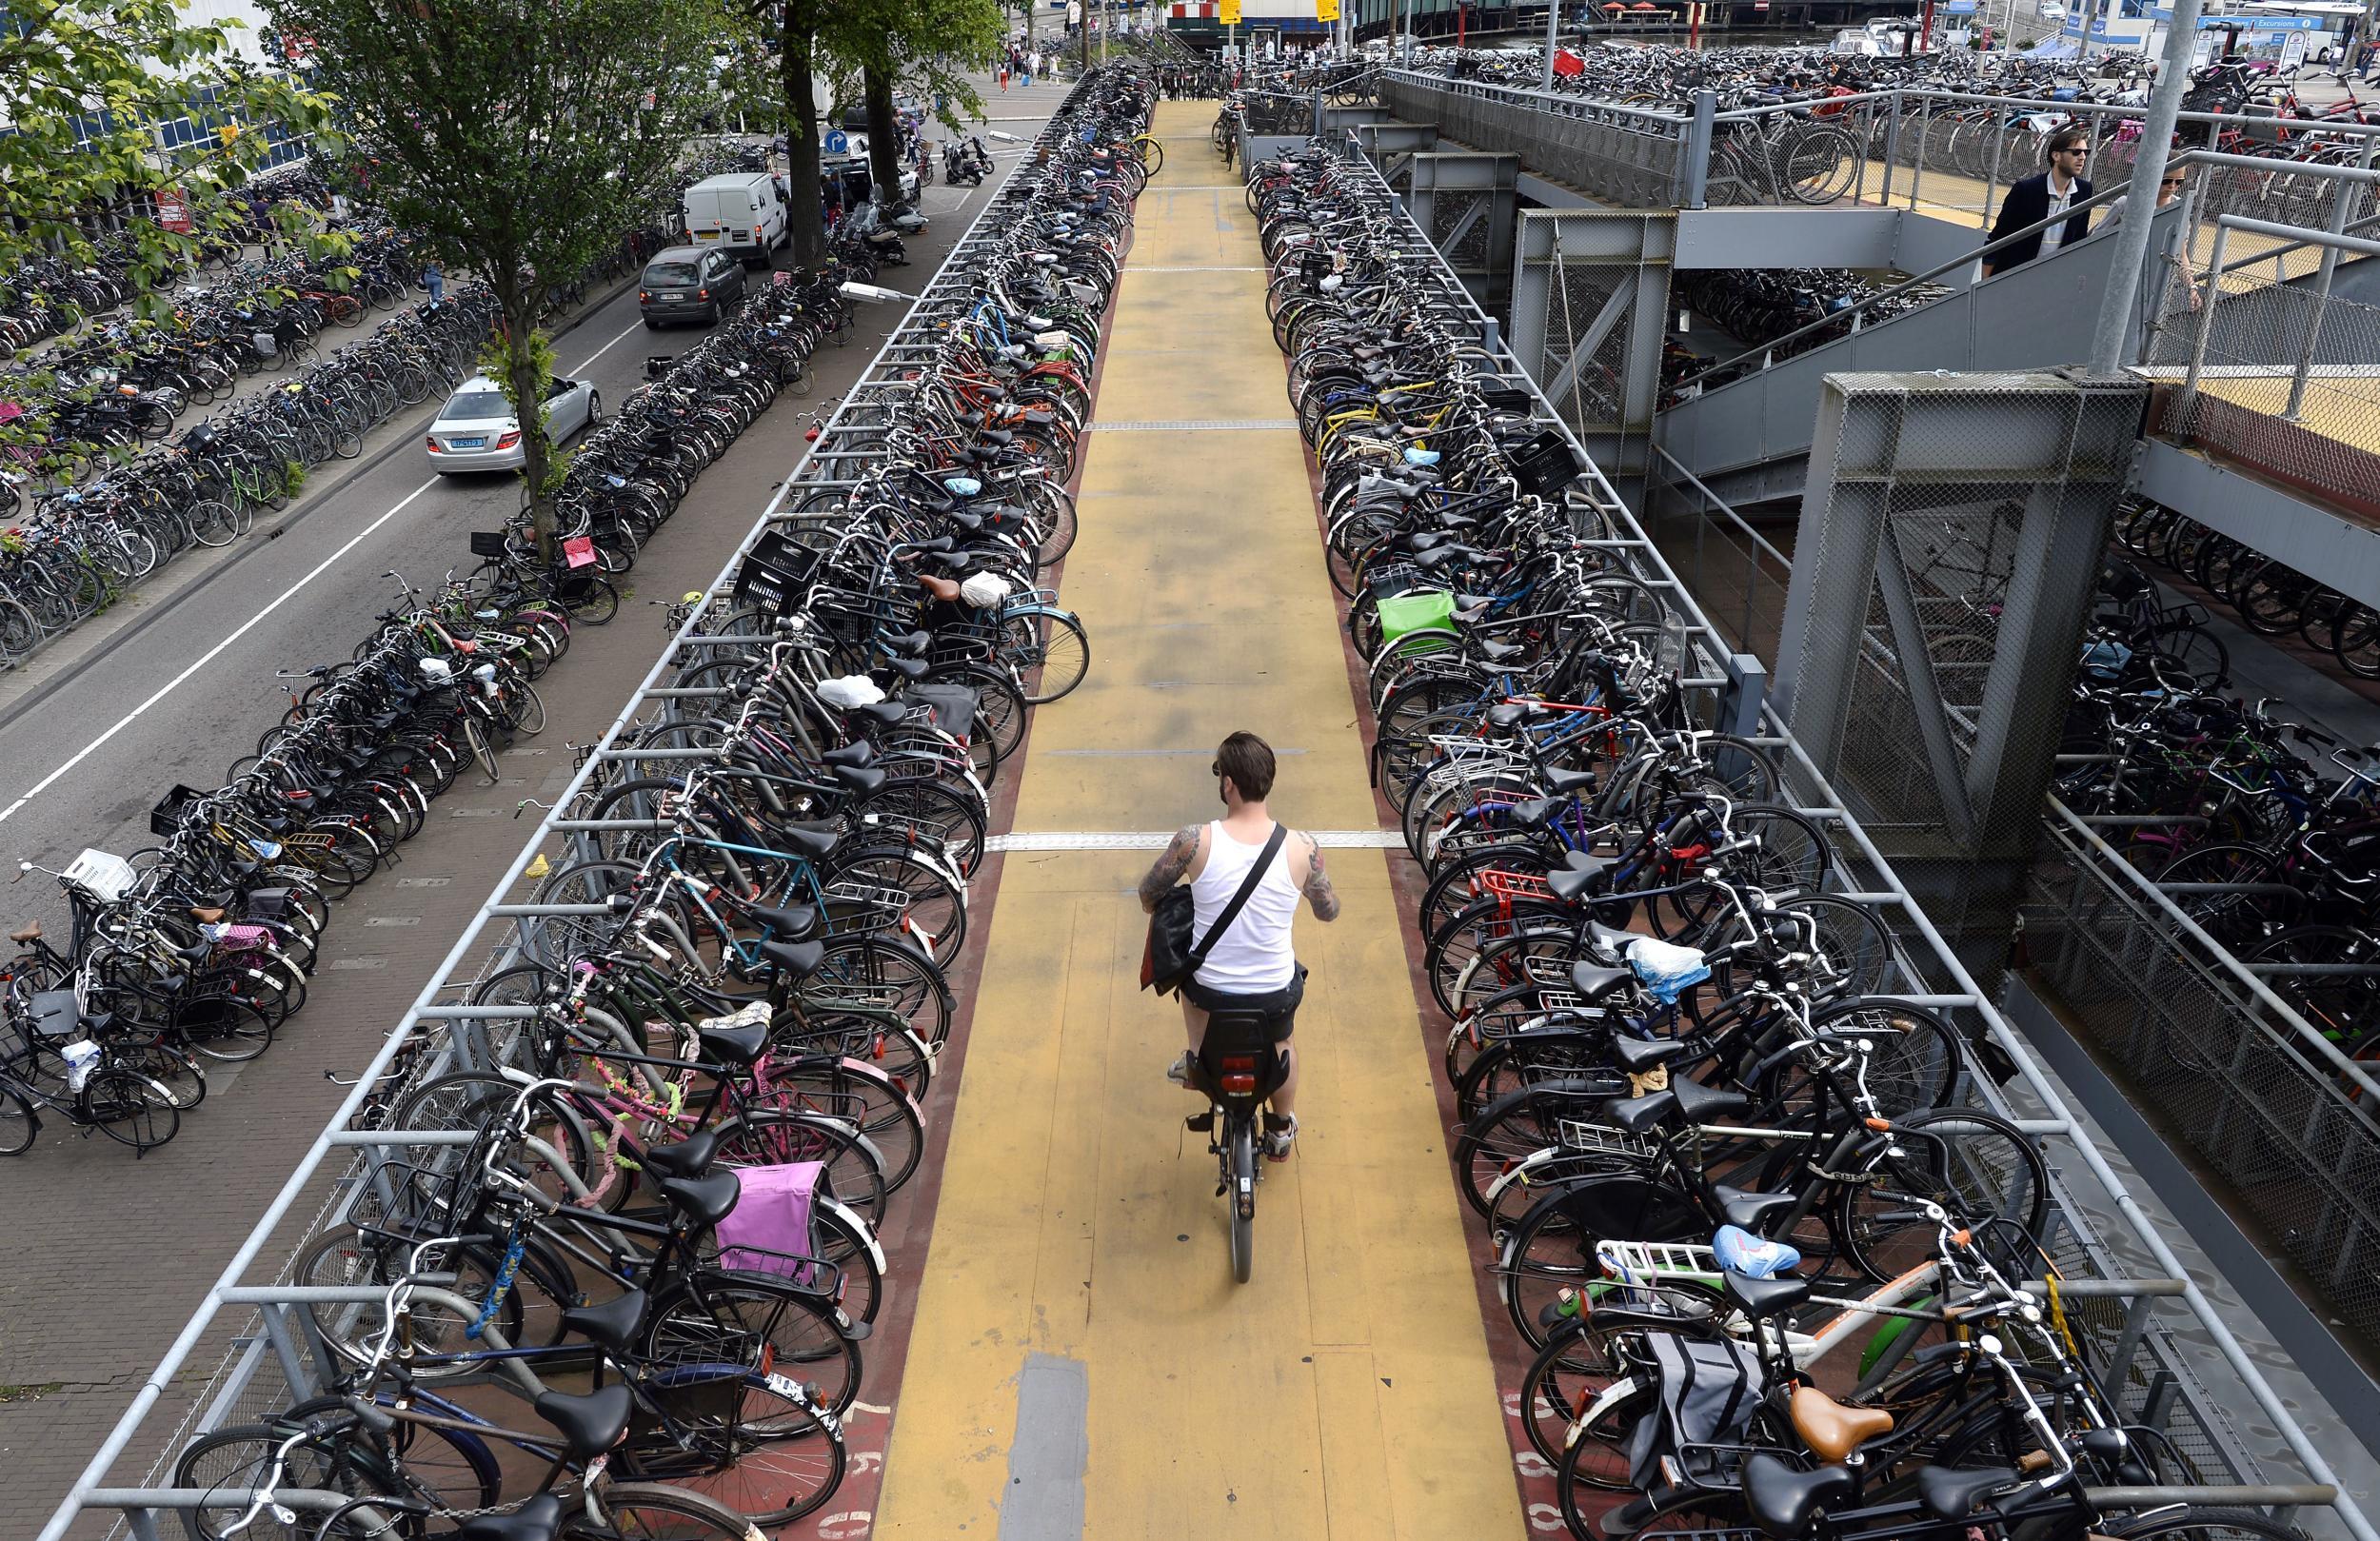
(838, 143)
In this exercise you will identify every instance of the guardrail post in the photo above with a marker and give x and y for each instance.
(1694, 167)
(2186, 408)
(2348, 194)
(1891, 146)
(1747, 690)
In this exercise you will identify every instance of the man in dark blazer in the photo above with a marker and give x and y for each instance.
(2032, 200)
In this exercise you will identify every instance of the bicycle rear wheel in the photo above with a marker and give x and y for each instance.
(18, 1122)
(649, 1511)
(130, 1108)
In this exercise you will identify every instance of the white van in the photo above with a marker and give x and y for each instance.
(743, 213)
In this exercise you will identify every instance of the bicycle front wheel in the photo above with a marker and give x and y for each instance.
(18, 1123)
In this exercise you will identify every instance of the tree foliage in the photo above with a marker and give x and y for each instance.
(517, 140)
(85, 85)
(923, 46)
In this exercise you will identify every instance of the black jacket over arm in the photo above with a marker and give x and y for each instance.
(2028, 204)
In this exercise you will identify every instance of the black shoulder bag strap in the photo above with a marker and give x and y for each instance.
(1239, 900)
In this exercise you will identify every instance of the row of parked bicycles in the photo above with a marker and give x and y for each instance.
(1772, 1259)
(193, 951)
(684, 1140)
(2263, 830)
(1815, 133)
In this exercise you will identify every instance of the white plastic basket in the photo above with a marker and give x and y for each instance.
(105, 878)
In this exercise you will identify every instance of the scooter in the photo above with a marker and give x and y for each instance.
(1238, 1067)
(966, 160)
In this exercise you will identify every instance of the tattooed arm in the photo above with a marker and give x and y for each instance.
(1317, 888)
(1175, 860)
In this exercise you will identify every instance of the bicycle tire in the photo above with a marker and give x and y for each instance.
(130, 1108)
(19, 1124)
(679, 1514)
(1974, 1163)
(715, 1312)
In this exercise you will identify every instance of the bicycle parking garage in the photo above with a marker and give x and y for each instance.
(1844, 782)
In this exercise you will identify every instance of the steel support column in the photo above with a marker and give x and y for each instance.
(1466, 205)
(1590, 297)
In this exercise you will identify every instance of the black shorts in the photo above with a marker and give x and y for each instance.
(1279, 1006)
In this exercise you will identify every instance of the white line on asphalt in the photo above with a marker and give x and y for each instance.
(606, 348)
(245, 626)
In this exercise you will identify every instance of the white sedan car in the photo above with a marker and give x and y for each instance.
(2051, 11)
(476, 430)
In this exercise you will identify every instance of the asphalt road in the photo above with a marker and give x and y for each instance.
(106, 1256)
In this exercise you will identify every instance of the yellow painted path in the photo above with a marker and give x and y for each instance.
(1346, 1392)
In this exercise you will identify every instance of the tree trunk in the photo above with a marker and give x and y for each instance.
(525, 388)
(884, 136)
(808, 219)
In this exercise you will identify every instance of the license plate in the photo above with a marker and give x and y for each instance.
(468, 444)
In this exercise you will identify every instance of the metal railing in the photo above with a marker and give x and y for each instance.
(2263, 1096)
(281, 1356)
(1947, 153)
(2283, 373)
(2148, 1371)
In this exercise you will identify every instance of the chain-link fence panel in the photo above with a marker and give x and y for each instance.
(1627, 157)
(2261, 366)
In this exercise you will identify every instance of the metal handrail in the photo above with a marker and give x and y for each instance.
(2173, 915)
(2105, 196)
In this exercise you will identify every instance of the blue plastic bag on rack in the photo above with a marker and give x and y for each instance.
(2105, 660)
(1665, 969)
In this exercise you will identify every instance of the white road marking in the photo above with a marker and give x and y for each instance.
(1154, 839)
(209, 656)
(606, 348)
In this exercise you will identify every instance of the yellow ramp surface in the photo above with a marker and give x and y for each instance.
(1082, 1363)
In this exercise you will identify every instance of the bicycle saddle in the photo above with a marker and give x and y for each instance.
(1953, 1494)
(688, 1157)
(592, 1423)
(1639, 1115)
(704, 1201)
(1832, 1431)
(812, 840)
(33, 931)
(860, 779)
(1747, 1210)
(1700, 1104)
(1755, 1297)
(883, 713)
(1740, 1251)
(1534, 814)
(737, 1046)
(793, 924)
(1563, 782)
(1783, 1501)
(859, 752)
(1509, 714)
(1496, 652)
(539, 1519)
(1593, 979)
(1603, 939)
(613, 1324)
(1572, 884)
(1636, 1056)
(799, 960)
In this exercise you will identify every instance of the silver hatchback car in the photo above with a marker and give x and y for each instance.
(476, 430)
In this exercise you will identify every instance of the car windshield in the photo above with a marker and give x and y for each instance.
(669, 272)
(475, 406)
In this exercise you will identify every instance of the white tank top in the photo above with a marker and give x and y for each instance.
(1253, 957)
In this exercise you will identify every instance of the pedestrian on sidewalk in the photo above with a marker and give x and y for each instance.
(435, 280)
(1003, 77)
(1250, 967)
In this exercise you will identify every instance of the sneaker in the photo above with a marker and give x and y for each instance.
(1279, 1134)
(1178, 1072)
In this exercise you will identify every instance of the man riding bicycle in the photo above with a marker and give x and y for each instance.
(1250, 967)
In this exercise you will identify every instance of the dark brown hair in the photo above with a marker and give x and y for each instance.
(2066, 138)
(1248, 761)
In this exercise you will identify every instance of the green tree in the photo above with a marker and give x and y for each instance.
(85, 87)
(923, 46)
(517, 139)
